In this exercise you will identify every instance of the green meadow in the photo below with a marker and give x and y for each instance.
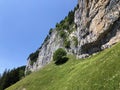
(98, 72)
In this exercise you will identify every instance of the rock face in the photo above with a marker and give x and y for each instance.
(45, 52)
(97, 25)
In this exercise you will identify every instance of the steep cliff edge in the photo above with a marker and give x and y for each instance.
(96, 26)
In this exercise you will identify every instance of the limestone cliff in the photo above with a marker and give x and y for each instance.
(96, 27)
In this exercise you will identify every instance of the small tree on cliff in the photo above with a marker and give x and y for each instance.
(59, 55)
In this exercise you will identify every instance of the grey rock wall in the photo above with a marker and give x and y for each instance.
(98, 28)
(97, 23)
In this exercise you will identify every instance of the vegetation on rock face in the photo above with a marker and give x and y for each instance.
(33, 57)
(67, 26)
(63, 34)
(67, 44)
(64, 24)
(67, 21)
(59, 55)
(98, 72)
(10, 77)
(50, 31)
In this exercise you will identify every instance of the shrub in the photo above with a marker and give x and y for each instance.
(71, 17)
(46, 39)
(59, 55)
(50, 31)
(33, 57)
(62, 34)
(67, 44)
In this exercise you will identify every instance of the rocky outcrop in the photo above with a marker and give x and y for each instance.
(97, 28)
(46, 51)
(98, 25)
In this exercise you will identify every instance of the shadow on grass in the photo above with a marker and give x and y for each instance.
(62, 61)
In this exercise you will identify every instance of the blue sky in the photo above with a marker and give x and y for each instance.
(23, 26)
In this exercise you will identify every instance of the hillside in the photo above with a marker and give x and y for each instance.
(98, 72)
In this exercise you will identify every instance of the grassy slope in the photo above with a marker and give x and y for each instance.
(99, 72)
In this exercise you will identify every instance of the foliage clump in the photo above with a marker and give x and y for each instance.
(50, 31)
(67, 21)
(33, 57)
(67, 44)
(64, 24)
(59, 55)
(63, 34)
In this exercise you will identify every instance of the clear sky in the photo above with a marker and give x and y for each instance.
(23, 26)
